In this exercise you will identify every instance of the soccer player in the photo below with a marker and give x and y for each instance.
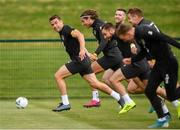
(137, 85)
(113, 60)
(80, 63)
(126, 72)
(120, 16)
(90, 19)
(136, 18)
(165, 68)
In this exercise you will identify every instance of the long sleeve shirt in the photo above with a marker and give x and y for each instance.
(153, 42)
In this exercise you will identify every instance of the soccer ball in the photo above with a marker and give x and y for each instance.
(21, 102)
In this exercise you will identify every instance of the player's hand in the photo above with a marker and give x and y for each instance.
(127, 61)
(82, 54)
(88, 54)
(151, 63)
(133, 48)
(93, 57)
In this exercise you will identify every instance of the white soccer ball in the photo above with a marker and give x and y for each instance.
(21, 102)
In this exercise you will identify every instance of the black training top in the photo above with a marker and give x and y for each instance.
(150, 24)
(97, 25)
(111, 48)
(108, 48)
(154, 42)
(71, 44)
(124, 47)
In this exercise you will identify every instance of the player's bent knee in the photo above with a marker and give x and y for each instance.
(112, 80)
(93, 83)
(130, 90)
(58, 75)
(105, 80)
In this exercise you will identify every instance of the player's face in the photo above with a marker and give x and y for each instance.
(127, 37)
(133, 19)
(87, 22)
(56, 24)
(108, 33)
(119, 16)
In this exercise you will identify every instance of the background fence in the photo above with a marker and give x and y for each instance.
(28, 69)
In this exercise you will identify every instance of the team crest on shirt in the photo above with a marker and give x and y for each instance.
(150, 32)
(100, 28)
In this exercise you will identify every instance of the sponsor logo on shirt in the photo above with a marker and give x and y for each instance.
(167, 79)
(150, 32)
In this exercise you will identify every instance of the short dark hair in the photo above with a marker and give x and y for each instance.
(135, 11)
(121, 9)
(107, 26)
(123, 29)
(54, 17)
(89, 13)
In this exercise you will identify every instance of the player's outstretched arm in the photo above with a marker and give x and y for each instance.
(170, 40)
(77, 34)
(102, 44)
(152, 34)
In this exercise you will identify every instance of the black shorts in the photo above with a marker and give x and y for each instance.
(168, 73)
(131, 71)
(108, 62)
(82, 67)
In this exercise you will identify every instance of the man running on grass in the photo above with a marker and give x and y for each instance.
(80, 63)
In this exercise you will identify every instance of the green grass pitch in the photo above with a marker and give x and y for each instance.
(27, 69)
(38, 115)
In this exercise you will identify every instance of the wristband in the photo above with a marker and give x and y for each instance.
(132, 45)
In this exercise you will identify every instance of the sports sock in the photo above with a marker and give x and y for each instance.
(126, 98)
(65, 100)
(115, 95)
(95, 95)
(165, 109)
(121, 101)
(175, 103)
